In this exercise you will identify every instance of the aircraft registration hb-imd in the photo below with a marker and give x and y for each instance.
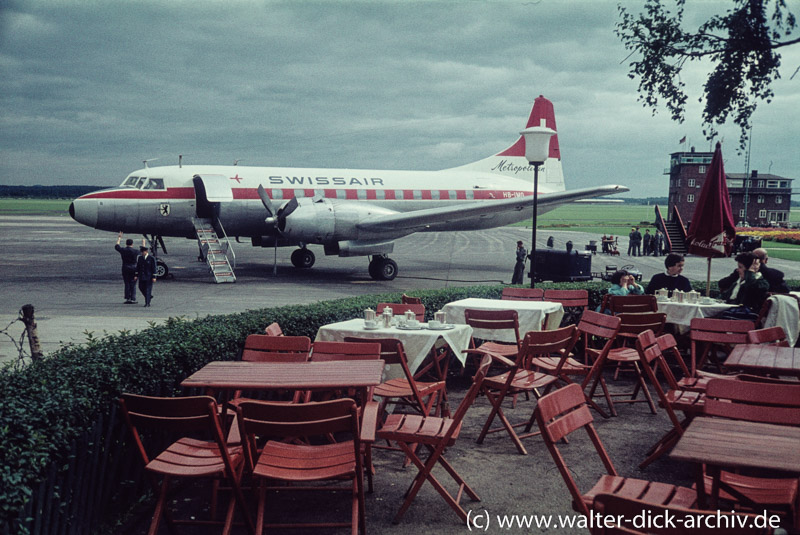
(349, 212)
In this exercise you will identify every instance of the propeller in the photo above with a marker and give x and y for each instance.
(270, 208)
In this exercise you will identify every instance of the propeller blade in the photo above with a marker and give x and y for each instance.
(266, 201)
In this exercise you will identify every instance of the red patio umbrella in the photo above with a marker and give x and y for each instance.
(712, 229)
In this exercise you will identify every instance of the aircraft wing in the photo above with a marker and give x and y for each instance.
(420, 219)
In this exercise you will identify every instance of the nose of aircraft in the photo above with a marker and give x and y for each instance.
(84, 211)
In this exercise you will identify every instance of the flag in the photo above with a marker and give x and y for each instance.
(683, 140)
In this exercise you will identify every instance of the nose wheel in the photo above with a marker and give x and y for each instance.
(382, 268)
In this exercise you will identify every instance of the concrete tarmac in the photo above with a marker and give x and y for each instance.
(71, 274)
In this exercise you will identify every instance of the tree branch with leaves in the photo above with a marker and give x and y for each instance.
(742, 46)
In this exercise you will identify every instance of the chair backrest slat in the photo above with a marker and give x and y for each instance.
(770, 335)
(638, 322)
(776, 403)
(568, 298)
(327, 351)
(632, 303)
(296, 419)
(522, 294)
(720, 331)
(409, 300)
(273, 329)
(546, 343)
(493, 320)
(266, 348)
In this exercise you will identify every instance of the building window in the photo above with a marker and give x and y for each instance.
(690, 198)
(778, 199)
(746, 199)
(701, 169)
(784, 183)
(741, 212)
(772, 183)
(691, 182)
(760, 183)
(760, 199)
(678, 183)
(762, 214)
(749, 184)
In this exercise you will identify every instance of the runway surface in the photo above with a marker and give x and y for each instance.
(71, 274)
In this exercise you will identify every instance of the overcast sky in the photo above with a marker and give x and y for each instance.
(89, 89)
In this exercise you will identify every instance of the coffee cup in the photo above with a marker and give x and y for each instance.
(434, 324)
(412, 323)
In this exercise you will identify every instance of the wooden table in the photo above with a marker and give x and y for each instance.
(238, 375)
(416, 343)
(765, 359)
(722, 443)
(532, 315)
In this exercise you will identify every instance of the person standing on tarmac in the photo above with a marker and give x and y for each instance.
(519, 267)
(146, 273)
(129, 256)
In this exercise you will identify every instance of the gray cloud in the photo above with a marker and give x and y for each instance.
(88, 90)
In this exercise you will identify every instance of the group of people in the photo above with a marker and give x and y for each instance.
(136, 266)
(747, 286)
(647, 244)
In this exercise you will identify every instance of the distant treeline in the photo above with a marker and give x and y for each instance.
(46, 192)
(646, 201)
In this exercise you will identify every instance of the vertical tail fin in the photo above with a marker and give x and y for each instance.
(512, 162)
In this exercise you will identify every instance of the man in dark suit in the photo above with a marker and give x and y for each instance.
(773, 276)
(129, 256)
(146, 273)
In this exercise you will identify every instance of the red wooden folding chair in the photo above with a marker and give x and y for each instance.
(563, 411)
(434, 434)
(519, 377)
(310, 462)
(188, 457)
(708, 335)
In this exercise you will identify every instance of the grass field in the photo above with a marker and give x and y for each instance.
(34, 206)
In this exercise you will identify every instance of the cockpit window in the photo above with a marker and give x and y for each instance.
(130, 181)
(141, 181)
(154, 183)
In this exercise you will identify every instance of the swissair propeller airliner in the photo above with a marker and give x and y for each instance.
(348, 212)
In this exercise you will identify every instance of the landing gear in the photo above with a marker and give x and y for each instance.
(382, 268)
(303, 258)
(162, 270)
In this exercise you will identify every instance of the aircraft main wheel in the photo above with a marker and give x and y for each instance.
(161, 270)
(303, 258)
(383, 269)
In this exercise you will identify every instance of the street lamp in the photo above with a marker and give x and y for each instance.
(537, 149)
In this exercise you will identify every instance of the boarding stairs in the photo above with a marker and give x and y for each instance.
(214, 251)
(676, 237)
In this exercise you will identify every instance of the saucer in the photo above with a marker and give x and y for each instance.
(444, 327)
(410, 327)
(373, 328)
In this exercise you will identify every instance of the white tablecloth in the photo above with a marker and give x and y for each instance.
(531, 315)
(416, 343)
(682, 314)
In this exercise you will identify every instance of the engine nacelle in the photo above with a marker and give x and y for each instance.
(319, 220)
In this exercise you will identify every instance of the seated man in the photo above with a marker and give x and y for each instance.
(774, 276)
(745, 286)
(671, 280)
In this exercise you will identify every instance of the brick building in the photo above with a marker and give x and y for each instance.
(760, 200)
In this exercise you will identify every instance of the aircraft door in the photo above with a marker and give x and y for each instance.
(209, 191)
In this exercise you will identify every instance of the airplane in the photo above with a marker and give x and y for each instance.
(349, 212)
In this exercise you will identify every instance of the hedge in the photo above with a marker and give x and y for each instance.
(50, 406)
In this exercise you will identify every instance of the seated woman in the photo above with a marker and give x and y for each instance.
(622, 284)
(671, 280)
(744, 287)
